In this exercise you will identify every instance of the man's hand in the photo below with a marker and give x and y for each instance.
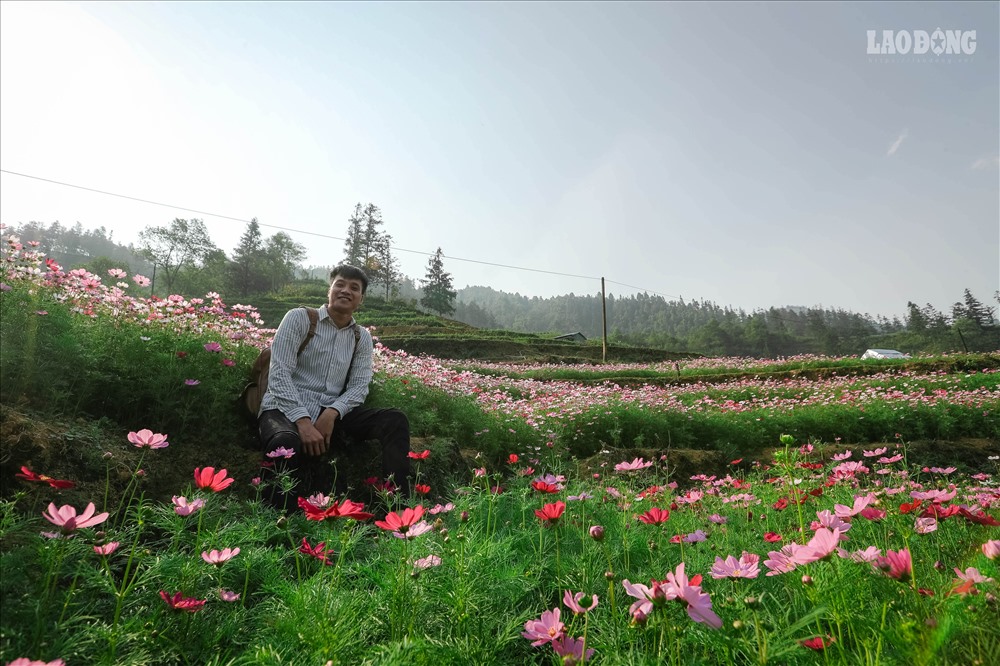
(325, 424)
(313, 441)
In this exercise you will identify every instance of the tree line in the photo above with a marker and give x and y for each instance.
(707, 328)
(183, 259)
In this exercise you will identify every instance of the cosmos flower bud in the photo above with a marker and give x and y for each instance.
(464, 516)
(597, 532)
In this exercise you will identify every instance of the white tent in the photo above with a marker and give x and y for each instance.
(884, 353)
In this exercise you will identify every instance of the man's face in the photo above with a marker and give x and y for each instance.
(345, 295)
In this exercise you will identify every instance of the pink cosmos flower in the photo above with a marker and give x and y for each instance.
(182, 603)
(925, 525)
(228, 362)
(972, 575)
(213, 347)
(699, 604)
(571, 650)
(319, 500)
(573, 602)
(717, 519)
(182, 507)
(935, 495)
(896, 564)
(192, 382)
(544, 630)
(695, 537)
(782, 561)
(147, 439)
(68, 522)
(991, 549)
(24, 661)
(876, 452)
(218, 557)
(869, 554)
(413, 531)
(643, 594)
(859, 505)
(633, 466)
(830, 521)
(441, 508)
(141, 280)
(842, 456)
(228, 596)
(821, 546)
(107, 548)
(427, 562)
(281, 452)
(894, 459)
(745, 567)
(209, 478)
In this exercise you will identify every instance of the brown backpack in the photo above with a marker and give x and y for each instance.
(253, 393)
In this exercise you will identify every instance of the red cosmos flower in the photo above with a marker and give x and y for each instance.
(980, 517)
(780, 504)
(772, 536)
(736, 462)
(513, 459)
(423, 455)
(318, 551)
(209, 478)
(816, 492)
(182, 603)
(28, 475)
(940, 512)
(421, 489)
(345, 509)
(550, 513)
(817, 642)
(543, 487)
(652, 491)
(395, 522)
(908, 507)
(655, 516)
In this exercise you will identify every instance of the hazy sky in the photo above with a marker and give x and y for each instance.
(751, 154)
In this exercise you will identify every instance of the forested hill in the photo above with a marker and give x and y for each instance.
(707, 328)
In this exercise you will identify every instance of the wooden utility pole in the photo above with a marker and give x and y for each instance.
(604, 325)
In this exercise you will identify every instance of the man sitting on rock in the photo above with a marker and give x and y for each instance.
(319, 392)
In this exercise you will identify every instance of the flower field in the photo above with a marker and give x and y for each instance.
(565, 534)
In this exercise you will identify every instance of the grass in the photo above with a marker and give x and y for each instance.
(73, 385)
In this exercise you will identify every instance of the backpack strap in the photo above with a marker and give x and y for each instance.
(313, 320)
(357, 339)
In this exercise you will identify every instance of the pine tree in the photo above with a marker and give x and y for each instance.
(353, 251)
(244, 273)
(439, 296)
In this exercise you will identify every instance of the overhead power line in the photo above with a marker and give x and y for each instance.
(313, 233)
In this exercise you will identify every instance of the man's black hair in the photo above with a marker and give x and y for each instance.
(350, 273)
